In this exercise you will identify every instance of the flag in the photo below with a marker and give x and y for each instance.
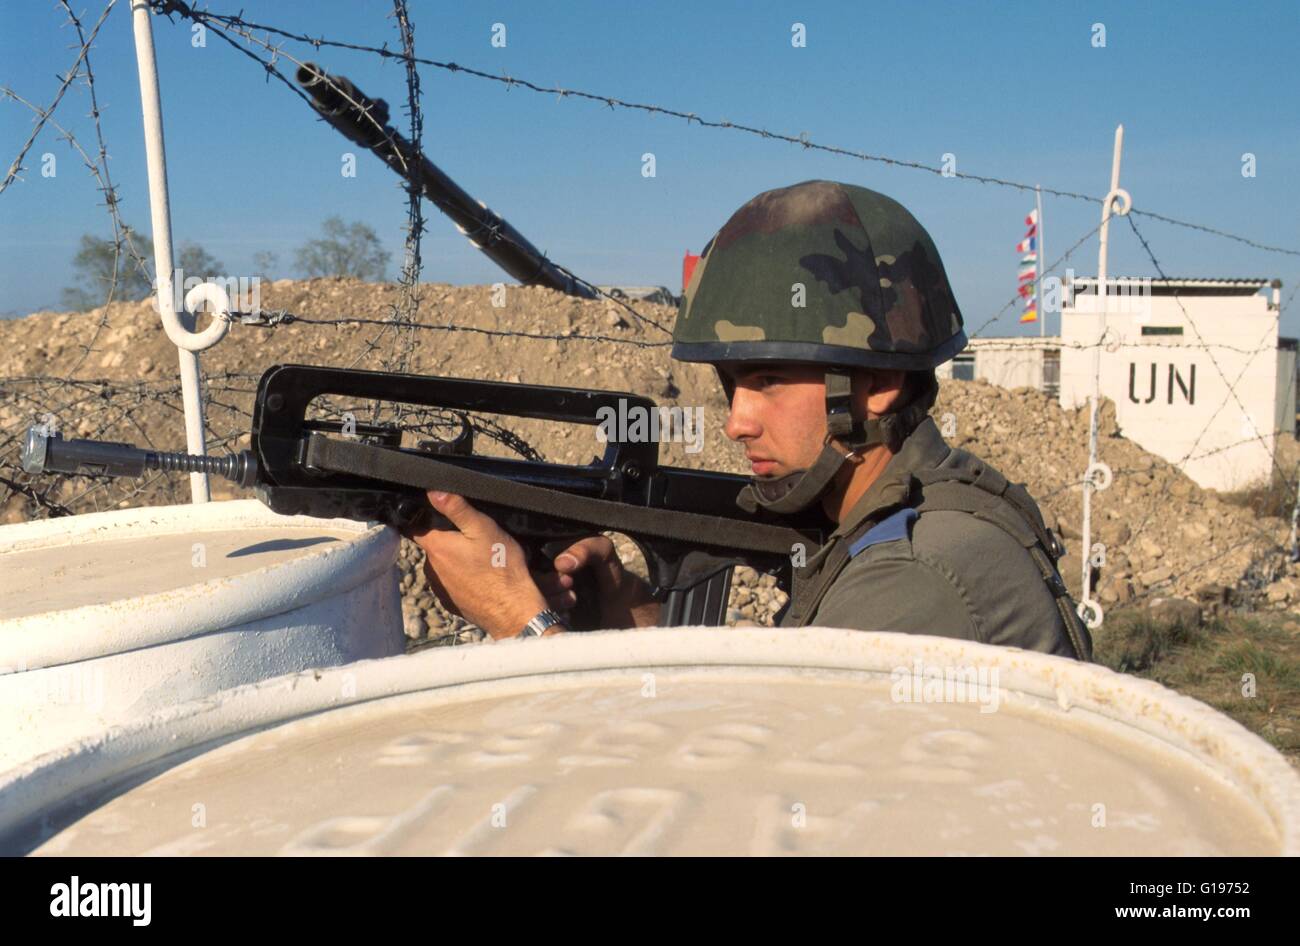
(688, 267)
(1027, 276)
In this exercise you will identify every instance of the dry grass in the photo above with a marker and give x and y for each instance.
(1210, 663)
(1272, 496)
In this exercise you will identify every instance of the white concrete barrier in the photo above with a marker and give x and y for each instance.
(671, 741)
(110, 616)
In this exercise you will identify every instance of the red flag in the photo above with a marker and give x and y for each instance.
(688, 267)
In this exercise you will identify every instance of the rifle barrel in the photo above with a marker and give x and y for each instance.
(46, 452)
(364, 120)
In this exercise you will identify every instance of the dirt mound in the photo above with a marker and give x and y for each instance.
(111, 374)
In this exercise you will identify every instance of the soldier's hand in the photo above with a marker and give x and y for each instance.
(625, 599)
(477, 569)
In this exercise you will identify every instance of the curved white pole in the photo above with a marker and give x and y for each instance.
(188, 343)
(1098, 475)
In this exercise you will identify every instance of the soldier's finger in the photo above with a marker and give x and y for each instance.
(463, 516)
(577, 556)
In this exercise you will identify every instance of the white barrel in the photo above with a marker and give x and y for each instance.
(672, 741)
(110, 616)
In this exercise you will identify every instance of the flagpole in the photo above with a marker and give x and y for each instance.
(1042, 249)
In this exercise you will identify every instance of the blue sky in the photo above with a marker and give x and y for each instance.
(1014, 90)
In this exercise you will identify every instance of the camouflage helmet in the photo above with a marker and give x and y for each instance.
(832, 274)
(820, 272)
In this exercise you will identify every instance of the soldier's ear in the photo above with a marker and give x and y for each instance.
(880, 390)
(877, 380)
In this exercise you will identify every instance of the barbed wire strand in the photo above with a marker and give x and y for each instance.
(238, 23)
(44, 114)
(105, 414)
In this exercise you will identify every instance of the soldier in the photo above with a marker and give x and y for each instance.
(824, 308)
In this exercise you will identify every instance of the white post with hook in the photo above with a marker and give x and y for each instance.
(187, 342)
(1097, 476)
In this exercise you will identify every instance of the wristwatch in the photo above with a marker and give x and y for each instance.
(540, 623)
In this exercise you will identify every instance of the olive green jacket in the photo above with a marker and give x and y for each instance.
(944, 572)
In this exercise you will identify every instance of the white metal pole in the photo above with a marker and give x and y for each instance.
(1118, 200)
(160, 216)
(1042, 250)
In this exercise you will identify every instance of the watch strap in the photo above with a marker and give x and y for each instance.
(538, 625)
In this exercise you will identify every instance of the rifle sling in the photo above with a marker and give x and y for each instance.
(382, 463)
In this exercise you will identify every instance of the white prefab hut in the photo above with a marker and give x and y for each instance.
(1196, 368)
(1009, 363)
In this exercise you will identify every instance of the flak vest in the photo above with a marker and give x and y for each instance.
(971, 486)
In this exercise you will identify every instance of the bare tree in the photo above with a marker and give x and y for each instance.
(94, 264)
(352, 250)
(96, 258)
(196, 261)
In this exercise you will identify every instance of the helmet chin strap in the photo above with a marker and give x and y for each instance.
(845, 437)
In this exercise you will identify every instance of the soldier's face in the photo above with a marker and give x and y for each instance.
(778, 412)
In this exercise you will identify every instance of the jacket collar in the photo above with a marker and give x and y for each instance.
(924, 448)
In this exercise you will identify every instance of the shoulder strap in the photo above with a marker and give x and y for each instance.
(982, 491)
(807, 592)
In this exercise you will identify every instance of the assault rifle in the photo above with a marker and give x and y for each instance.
(686, 522)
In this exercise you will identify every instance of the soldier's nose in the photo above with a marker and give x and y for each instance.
(740, 421)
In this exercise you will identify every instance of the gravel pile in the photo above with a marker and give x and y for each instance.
(1163, 536)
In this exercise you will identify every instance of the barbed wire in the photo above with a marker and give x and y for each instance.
(1016, 298)
(1056, 343)
(1113, 345)
(1163, 587)
(239, 24)
(44, 114)
(403, 313)
(104, 178)
(411, 264)
(1158, 502)
(276, 52)
(1120, 473)
(277, 317)
(1231, 385)
(101, 406)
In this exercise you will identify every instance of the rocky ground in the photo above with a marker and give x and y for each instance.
(111, 374)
